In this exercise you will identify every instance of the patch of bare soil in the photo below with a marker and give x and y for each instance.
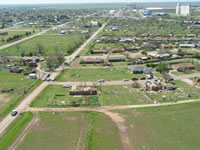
(80, 139)
(21, 137)
(123, 130)
(4, 98)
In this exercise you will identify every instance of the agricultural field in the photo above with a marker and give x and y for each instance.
(183, 92)
(57, 96)
(82, 130)
(50, 44)
(21, 87)
(169, 127)
(94, 74)
(122, 95)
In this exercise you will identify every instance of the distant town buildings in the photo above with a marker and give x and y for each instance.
(183, 10)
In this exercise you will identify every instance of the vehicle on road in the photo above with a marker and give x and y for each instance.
(14, 113)
(143, 78)
(101, 81)
(134, 79)
(125, 80)
(66, 86)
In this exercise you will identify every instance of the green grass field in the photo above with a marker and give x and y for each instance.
(51, 43)
(10, 34)
(64, 130)
(163, 128)
(93, 74)
(20, 84)
(14, 129)
(183, 92)
(45, 99)
(122, 95)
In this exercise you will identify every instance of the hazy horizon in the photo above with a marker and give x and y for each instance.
(10, 2)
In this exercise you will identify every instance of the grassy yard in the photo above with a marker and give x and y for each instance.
(64, 130)
(45, 99)
(163, 128)
(122, 95)
(19, 84)
(51, 43)
(183, 92)
(93, 74)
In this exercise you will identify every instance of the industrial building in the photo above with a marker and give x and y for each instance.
(183, 10)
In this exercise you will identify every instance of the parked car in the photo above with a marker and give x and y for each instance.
(14, 113)
(134, 79)
(150, 77)
(125, 80)
(66, 86)
(143, 78)
(46, 77)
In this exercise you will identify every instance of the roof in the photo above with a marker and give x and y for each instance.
(187, 45)
(186, 65)
(116, 57)
(140, 69)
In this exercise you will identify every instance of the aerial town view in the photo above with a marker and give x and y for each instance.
(100, 75)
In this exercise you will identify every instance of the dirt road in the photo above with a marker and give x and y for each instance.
(186, 76)
(25, 103)
(108, 108)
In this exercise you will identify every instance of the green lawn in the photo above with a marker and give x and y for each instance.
(181, 93)
(164, 128)
(93, 74)
(122, 95)
(45, 99)
(64, 130)
(51, 43)
(20, 84)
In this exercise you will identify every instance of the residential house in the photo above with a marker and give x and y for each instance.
(92, 61)
(83, 91)
(183, 67)
(187, 45)
(116, 58)
(140, 70)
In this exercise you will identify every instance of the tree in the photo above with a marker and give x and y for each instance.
(180, 52)
(50, 61)
(18, 47)
(196, 55)
(40, 48)
(162, 67)
(59, 57)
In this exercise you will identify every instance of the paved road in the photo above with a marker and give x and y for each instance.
(76, 53)
(29, 37)
(9, 119)
(25, 103)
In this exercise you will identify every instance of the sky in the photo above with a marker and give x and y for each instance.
(83, 1)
